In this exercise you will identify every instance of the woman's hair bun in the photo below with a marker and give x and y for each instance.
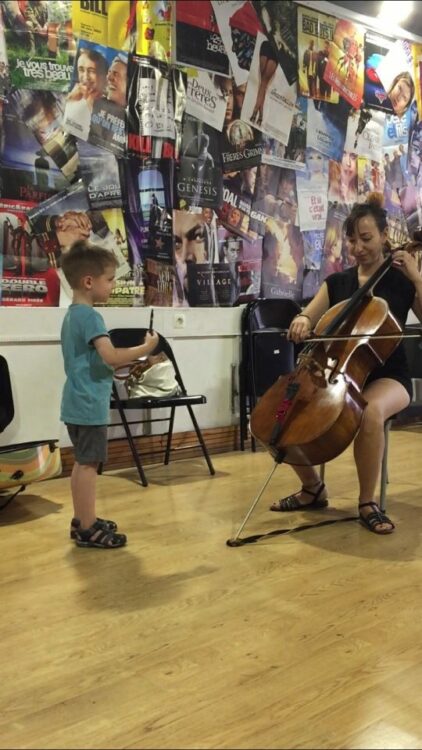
(375, 199)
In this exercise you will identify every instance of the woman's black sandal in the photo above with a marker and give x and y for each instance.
(291, 502)
(75, 524)
(99, 536)
(374, 519)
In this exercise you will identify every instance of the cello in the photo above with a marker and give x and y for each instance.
(311, 415)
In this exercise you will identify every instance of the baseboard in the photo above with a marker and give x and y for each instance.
(151, 448)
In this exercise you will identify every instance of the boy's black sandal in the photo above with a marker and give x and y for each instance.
(291, 502)
(75, 524)
(99, 536)
(374, 519)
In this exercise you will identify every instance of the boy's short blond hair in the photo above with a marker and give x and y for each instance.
(84, 259)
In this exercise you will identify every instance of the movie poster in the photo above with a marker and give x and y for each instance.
(238, 193)
(159, 279)
(417, 76)
(312, 191)
(61, 148)
(206, 97)
(154, 98)
(355, 125)
(411, 203)
(154, 29)
(291, 156)
(25, 276)
(210, 285)
(108, 118)
(121, 24)
(99, 172)
(96, 111)
(370, 140)
(151, 109)
(375, 95)
(345, 67)
(128, 290)
(194, 238)
(241, 145)
(149, 204)
(233, 277)
(315, 32)
(310, 285)
(327, 124)
(198, 174)
(396, 73)
(343, 179)
(103, 22)
(40, 44)
(336, 252)
(238, 24)
(42, 112)
(371, 178)
(67, 217)
(282, 261)
(198, 39)
(313, 249)
(275, 196)
(90, 21)
(398, 233)
(244, 257)
(26, 172)
(269, 101)
(279, 22)
(4, 65)
(398, 168)
(414, 161)
(397, 129)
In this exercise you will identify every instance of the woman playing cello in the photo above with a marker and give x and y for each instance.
(388, 388)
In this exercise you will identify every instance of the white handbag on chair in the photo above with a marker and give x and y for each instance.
(153, 377)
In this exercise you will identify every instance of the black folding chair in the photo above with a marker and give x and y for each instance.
(265, 352)
(7, 409)
(127, 337)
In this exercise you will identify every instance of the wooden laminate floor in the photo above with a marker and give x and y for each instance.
(310, 639)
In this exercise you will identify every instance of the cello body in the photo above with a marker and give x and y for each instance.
(311, 415)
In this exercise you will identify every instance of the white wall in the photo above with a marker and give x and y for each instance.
(205, 348)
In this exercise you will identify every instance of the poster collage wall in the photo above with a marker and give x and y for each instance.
(215, 147)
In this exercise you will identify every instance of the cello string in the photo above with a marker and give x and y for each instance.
(284, 332)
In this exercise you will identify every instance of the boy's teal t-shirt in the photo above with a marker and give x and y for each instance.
(89, 380)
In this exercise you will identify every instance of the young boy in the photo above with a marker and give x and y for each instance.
(89, 362)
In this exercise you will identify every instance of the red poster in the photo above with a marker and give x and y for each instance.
(345, 67)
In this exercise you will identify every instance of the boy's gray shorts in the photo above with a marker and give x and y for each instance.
(89, 442)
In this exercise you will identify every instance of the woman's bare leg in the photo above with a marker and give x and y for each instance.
(310, 480)
(385, 397)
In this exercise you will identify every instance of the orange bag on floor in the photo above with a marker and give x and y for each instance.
(29, 462)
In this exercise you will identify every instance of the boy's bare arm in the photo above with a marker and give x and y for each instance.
(116, 357)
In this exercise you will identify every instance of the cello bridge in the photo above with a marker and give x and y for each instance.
(314, 367)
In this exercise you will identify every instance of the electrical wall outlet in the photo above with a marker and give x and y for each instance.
(179, 320)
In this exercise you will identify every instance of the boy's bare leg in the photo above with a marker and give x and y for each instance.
(83, 485)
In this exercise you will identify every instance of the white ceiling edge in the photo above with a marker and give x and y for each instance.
(369, 21)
